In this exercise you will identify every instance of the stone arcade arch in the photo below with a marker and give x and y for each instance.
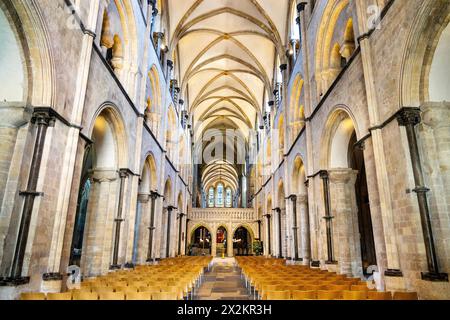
(167, 219)
(335, 43)
(145, 218)
(268, 245)
(280, 222)
(301, 220)
(31, 73)
(424, 84)
(201, 241)
(222, 237)
(100, 201)
(153, 101)
(243, 238)
(349, 230)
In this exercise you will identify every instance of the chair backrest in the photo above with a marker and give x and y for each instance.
(304, 295)
(339, 287)
(90, 296)
(126, 289)
(149, 289)
(354, 295)
(139, 296)
(164, 296)
(102, 289)
(59, 296)
(405, 296)
(375, 295)
(309, 287)
(329, 295)
(32, 296)
(278, 295)
(118, 284)
(360, 287)
(112, 296)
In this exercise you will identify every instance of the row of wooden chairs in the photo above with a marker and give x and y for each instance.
(173, 279)
(89, 296)
(273, 279)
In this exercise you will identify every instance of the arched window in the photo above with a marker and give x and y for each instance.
(12, 75)
(220, 196)
(211, 197)
(229, 198)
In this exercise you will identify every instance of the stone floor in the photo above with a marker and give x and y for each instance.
(223, 282)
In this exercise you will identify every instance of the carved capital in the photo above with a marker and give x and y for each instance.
(302, 199)
(103, 175)
(43, 117)
(143, 197)
(323, 174)
(409, 116)
(345, 176)
(301, 6)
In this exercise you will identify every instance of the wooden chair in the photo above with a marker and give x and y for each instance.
(174, 289)
(340, 287)
(304, 295)
(406, 296)
(87, 296)
(112, 296)
(360, 287)
(118, 284)
(126, 289)
(102, 289)
(32, 296)
(375, 295)
(278, 295)
(164, 296)
(66, 296)
(311, 287)
(138, 296)
(329, 295)
(354, 295)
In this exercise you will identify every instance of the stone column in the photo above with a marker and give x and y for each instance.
(158, 37)
(180, 227)
(345, 211)
(293, 198)
(305, 244)
(154, 14)
(144, 207)
(214, 244)
(324, 175)
(268, 241)
(259, 229)
(394, 276)
(151, 227)
(169, 221)
(123, 174)
(98, 234)
(186, 237)
(230, 242)
(42, 120)
(280, 243)
(300, 8)
(409, 118)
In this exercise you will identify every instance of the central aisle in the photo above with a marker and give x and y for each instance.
(223, 282)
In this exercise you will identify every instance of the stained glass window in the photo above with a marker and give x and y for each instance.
(220, 196)
(228, 198)
(211, 198)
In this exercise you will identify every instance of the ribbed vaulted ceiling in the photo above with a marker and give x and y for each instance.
(227, 53)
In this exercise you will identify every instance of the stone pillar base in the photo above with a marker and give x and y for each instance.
(12, 293)
(52, 286)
